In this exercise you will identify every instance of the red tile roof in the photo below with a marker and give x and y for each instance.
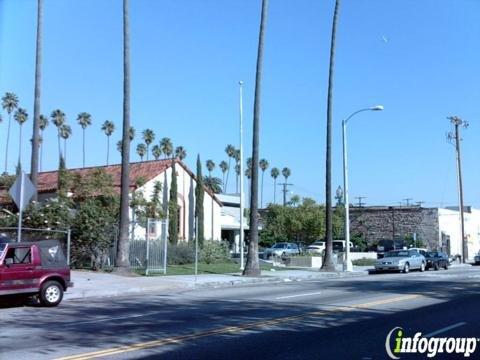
(48, 181)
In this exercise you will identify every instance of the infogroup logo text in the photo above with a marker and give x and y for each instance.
(431, 346)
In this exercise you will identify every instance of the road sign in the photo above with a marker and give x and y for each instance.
(22, 191)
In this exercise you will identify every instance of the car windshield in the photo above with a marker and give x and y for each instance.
(279, 246)
(431, 254)
(397, 254)
(2, 247)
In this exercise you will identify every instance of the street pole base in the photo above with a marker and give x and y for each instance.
(348, 266)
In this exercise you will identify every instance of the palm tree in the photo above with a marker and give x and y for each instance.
(237, 173)
(224, 166)
(9, 103)
(148, 137)
(286, 174)
(36, 104)
(20, 116)
(119, 146)
(65, 132)
(166, 146)
(210, 167)
(108, 127)
(141, 150)
(236, 156)
(252, 267)
(263, 163)
(230, 150)
(180, 153)
(58, 119)
(42, 126)
(122, 261)
(156, 151)
(84, 120)
(328, 260)
(213, 183)
(248, 174)
(274, 173)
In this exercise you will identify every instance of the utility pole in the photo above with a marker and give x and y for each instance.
(360, 202)
(420, 203)
(457, 123)
(285, 191)
(407, 200)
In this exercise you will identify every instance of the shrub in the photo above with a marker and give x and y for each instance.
(364, 262)
(214, 252)
(180, 254)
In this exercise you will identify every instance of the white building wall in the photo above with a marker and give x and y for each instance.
(186, 203)
(449, 224)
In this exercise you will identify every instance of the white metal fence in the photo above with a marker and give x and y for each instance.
(148, 252)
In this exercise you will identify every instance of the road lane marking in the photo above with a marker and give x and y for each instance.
(232, 329)
(294, 296)
(445, 329)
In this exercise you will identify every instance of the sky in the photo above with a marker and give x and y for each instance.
(419, 59)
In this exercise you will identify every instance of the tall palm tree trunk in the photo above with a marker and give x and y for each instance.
(123, 246)
(274, 191)
(65, 151)
(328, 264)
(83, 147)
(36, 103)
(8, 141)
(108, 148)
(225, 184)
(252, 267)
(261, 194)
(20, 146)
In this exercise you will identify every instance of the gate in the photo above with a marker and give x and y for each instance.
(147, 248)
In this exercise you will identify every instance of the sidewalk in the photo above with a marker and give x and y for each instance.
(98, 284)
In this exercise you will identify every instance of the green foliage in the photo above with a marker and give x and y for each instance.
(173, 208)
(214, 252)
(180, 254)
(199, 198)
(409, 242)
(359, 241)
(302, 223)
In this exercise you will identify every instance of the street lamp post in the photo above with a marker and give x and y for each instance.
(242, 232)
(347, 264)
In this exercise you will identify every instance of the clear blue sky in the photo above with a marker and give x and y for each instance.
(420, 59)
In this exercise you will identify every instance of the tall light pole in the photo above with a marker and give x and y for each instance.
(347, 264)
(242, 265)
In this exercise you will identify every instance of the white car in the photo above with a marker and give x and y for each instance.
(316, 248)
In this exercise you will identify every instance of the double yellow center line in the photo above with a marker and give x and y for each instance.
(230, 329)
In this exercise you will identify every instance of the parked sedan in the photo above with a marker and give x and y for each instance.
(436, 260)
(282, 249)
(317, 247)
(401, 260)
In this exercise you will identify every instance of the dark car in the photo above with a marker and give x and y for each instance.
(34, 269)
(437, 260)
(384, 246)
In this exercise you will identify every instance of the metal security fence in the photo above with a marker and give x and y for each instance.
(35, 234)
(147, 248)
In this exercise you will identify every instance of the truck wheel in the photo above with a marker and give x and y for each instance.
(51, 293)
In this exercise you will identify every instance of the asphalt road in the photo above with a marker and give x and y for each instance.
(325, 319)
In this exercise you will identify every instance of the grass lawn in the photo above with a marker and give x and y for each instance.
(218, 268)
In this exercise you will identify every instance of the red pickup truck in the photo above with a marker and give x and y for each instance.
(34, 269)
